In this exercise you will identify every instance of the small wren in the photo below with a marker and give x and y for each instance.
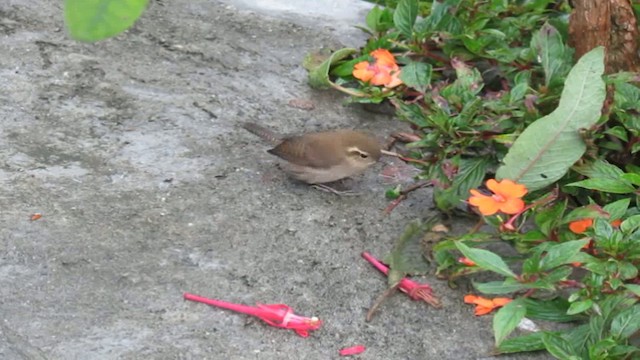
(322, 157)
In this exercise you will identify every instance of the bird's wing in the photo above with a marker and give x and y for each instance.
(303, 152)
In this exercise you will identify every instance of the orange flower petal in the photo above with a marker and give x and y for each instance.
(616, 222)
(362, 71)
(481, 310)
(395, 79)
(484, 302)
(380, 78)
(508, 188)
(512, 206)
(466, 261)
(470, 298)
(383, 57)
(497, 302)
(580, 226)
(486, 204)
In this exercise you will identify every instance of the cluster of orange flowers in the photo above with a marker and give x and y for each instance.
(383, 71)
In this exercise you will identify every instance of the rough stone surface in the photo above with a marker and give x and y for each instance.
(130, 149)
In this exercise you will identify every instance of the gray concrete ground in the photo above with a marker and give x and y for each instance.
(130, 148)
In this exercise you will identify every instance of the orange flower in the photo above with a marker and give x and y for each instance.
(383, 71)
(506, 197)
(466, 261)
(484, 305)
(580, 226)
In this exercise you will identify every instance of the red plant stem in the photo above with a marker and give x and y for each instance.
(244, 309)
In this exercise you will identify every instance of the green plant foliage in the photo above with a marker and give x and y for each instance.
(546, 150)
(93, 20)
(491, 90)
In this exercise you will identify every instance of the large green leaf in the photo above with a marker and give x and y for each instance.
(506, 320)
(546, 149)
(93, 20)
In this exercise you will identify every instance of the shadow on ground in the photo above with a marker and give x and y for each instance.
(130, 148)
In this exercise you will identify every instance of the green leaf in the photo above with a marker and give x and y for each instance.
(557, 346)
(530, 342)
(93, 20)
(560, 254)
(485, 259)
(626, 323)
(617, 209)
(547, 43)
(379, 20)
(470, 174)
(546, 149)
(635, 289)
(405, 16)
(632, 178)
(603, 177)
(499, 287)
(547, 219)
(406, 257)
(416, 75)
(580, 306)
(615, 186)
(619, 132)
(549, 310)
(319, 75)
(507, 319)
(630, 224)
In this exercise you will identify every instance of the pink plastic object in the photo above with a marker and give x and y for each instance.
(278, 315)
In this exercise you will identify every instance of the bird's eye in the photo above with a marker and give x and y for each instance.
(364, 155)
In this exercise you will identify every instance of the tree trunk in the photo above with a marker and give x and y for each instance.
(608, 23)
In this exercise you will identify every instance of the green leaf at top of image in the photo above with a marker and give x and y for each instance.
(93, 20)
(406, 257)
(405, 15)
(507, 319)
(416, 75)
(545, 150)
(485, 259)
(319, 74)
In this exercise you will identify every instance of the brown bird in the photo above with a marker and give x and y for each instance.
(322, 157)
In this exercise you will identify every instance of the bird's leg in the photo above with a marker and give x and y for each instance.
(333, 190)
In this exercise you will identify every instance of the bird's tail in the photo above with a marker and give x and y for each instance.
(263, 133)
